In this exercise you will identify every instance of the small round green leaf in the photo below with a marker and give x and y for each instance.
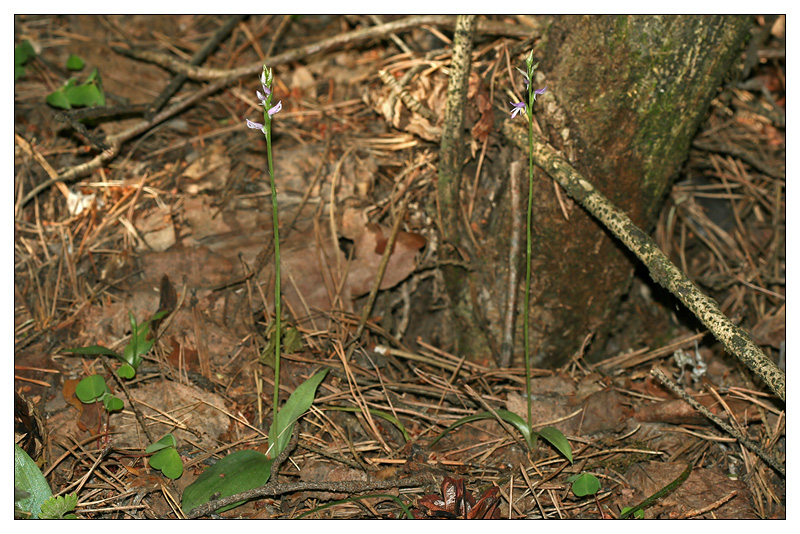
(168, 461)
(91, 388)
(126, 371)
(586, 484)
(75, 63)
(112, 403)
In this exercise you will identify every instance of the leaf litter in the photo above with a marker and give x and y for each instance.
(201, 220)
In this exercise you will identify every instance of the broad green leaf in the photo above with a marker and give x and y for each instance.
(301, 399)
(28, 478)
(91, 389)
(167, 441)
(389, 417)
(585, 484)
(93, 350)
(75, 63)
(505, 415)
(19, 72)
(557, 440)
(237, 472)
(168, 461)
(112, 403)
(57, 507)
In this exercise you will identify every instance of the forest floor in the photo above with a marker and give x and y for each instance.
(176, 217)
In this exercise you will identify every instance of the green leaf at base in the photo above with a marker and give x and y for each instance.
(237, 472)
(301, 399)
(555, 438)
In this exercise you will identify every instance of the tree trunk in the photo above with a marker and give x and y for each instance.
(625, 97)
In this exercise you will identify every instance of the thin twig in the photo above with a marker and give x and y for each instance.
(199, 56)
(744, 440)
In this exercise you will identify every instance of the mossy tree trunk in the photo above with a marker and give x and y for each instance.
(625, 97)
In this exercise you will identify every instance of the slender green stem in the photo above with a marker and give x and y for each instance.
(276, 236)
(528, 254)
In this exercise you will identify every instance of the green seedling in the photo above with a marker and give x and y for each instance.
(550, 434)
(134, 351)
(239, 471)
(94, 388)
(23, 52)
(71, 94)
(166, 459)
(637, 514)
(33, 498)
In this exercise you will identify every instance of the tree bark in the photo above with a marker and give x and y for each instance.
(625, 97)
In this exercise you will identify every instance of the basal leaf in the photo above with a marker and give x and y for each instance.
(505, 415)
(557, 440)
(301, 399)
(28, 478)
(93, 350)
(389, 417)
(237, 472)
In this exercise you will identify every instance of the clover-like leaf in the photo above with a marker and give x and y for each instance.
(112, 403)
(91, 389)
(167, 441)
(126, 371)
(585, 484)
(168, 461)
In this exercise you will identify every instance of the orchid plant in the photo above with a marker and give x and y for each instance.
(265, 100)
(527, 108)
(244, 470)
